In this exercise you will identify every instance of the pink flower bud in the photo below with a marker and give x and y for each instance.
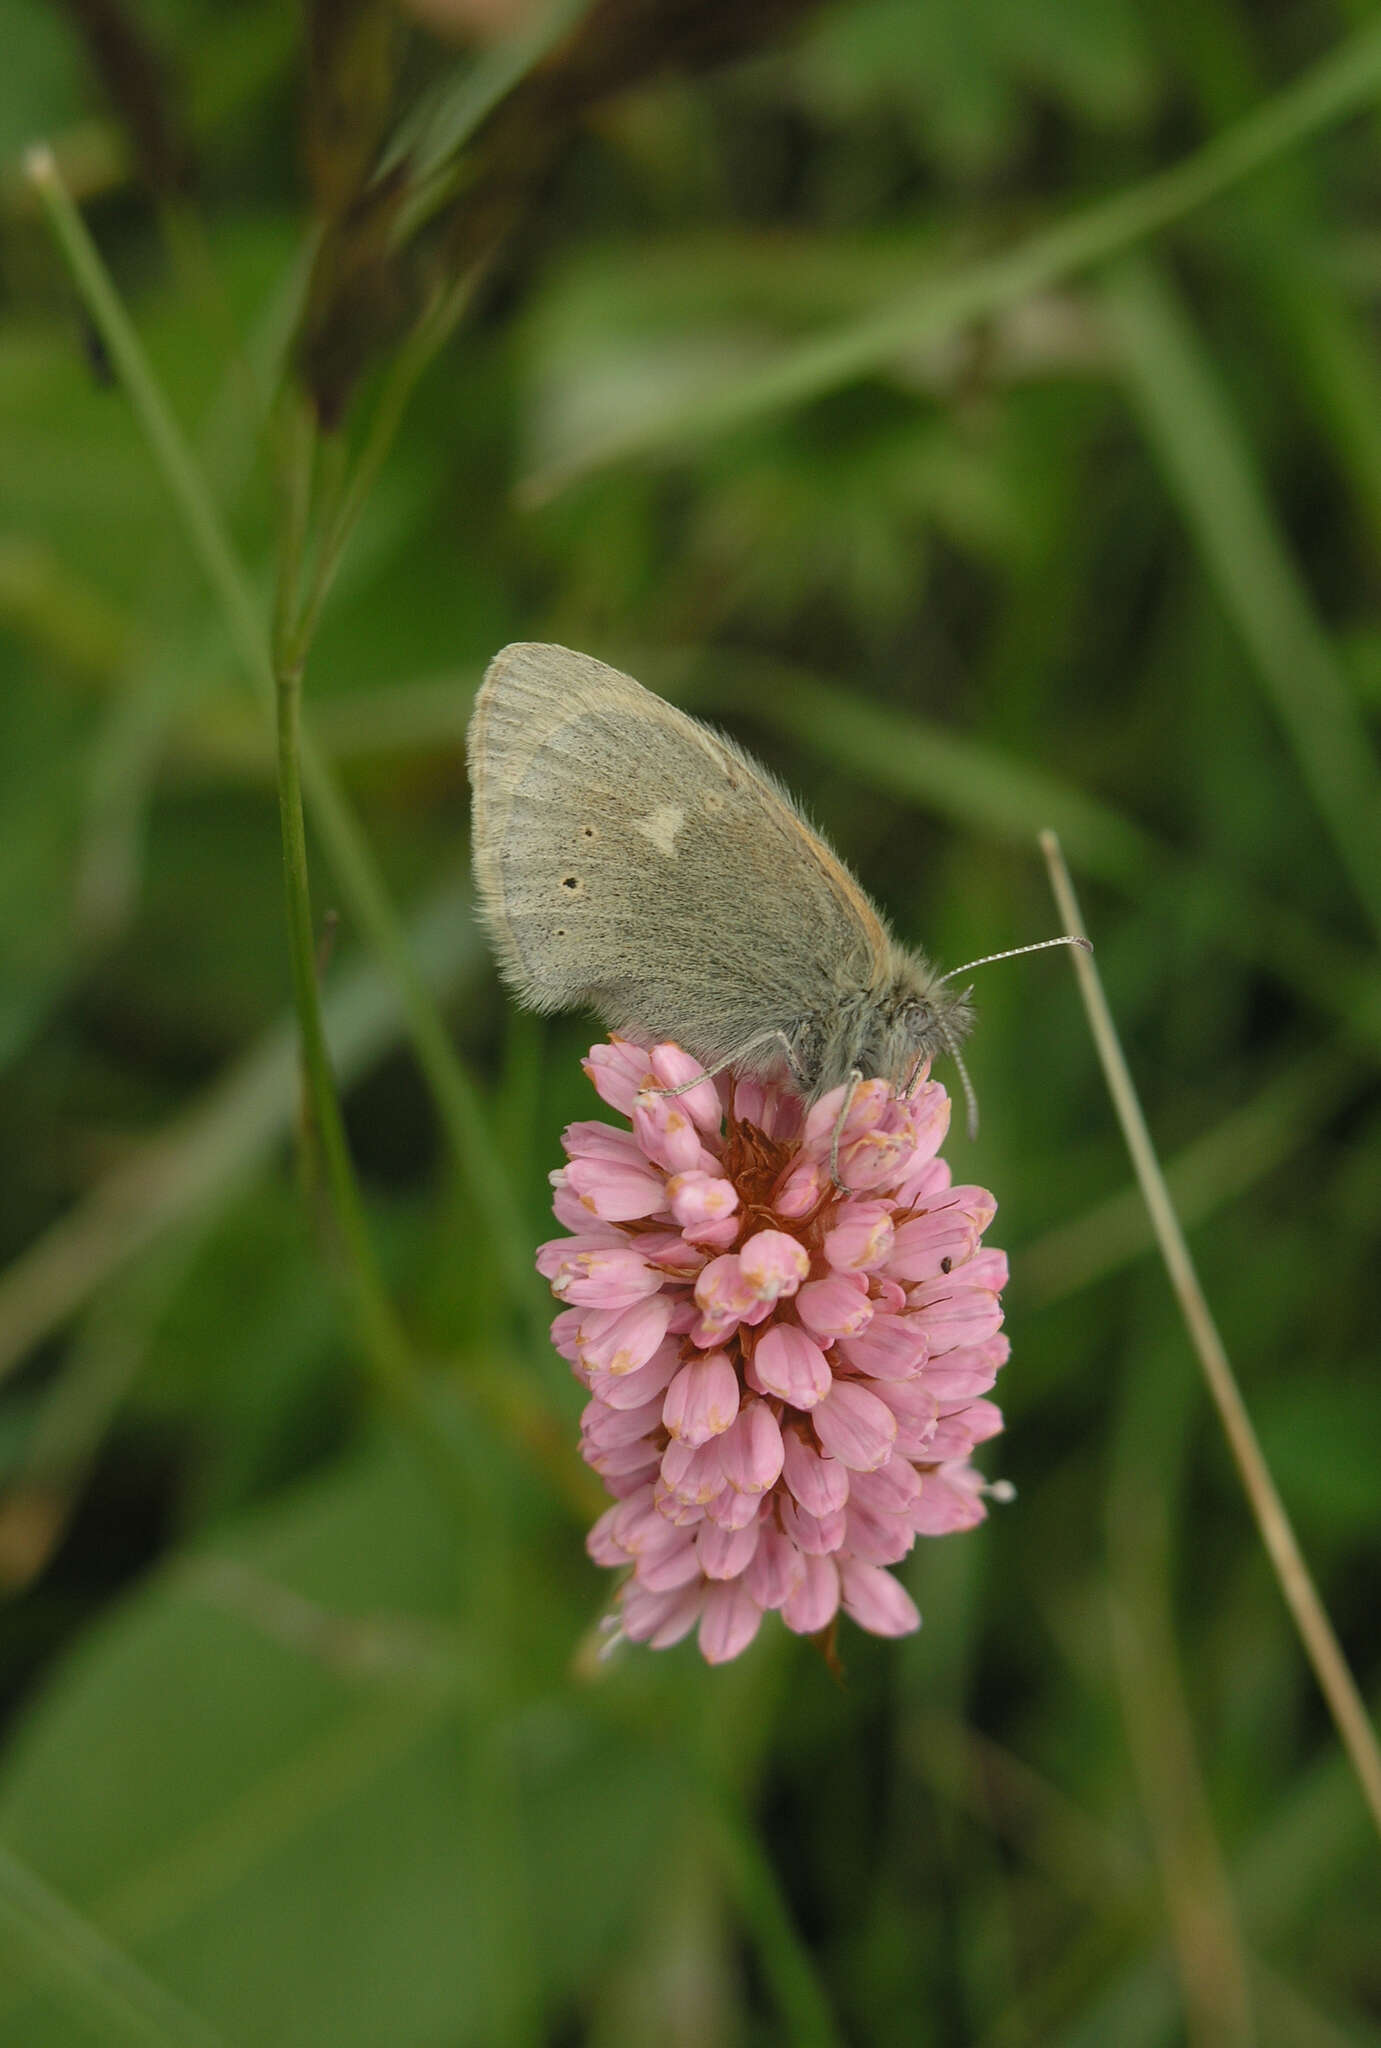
(751, 1452)
(875, 1600)
(836, 1307)
(665, 1131)
(786, 1363)
(815, 1602)
(616, 1193)
(815, 1535)
(854, 1426)
(821, 1485)
(620, 1340)
(876, 1537)
(729, 1621)
(660, 1618)
(773, 1264)
(724, 1553)
(604, 1279)
(673, 1068)
(702, 1401)
(861, 1239)
(891, 1348)
(697, 1197)
(776, 1569)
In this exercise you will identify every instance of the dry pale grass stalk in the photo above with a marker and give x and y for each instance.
(1316, 1631)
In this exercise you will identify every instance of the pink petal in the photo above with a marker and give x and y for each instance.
(875, 1600)
(666, 1133)
(552, 1255)
(893, 1489)
(673, 1069)
(876, 1537)
(693, 1474)
(960, 1375)
(815, 1602)
(724, 1553)
(915, 1408)
(751, 1452)
(776, 1570)
(604, 1279)
(814, 1535)
(731, 1509)
(892, 1348)
(821, 1485)
(617, 1193)
(594, 1140)
(564, 1330)
(723, 1291)
(861, 1238)
(620, 1340)
(620, 1461)
(786, 1363)
(702, 1400)
(923, 1245)
(683, 1513)
(609, 1428)
(773, 1264)
(698, 1198)
(957, 1434)
(924, 1185)
(662, 1571)
(729, 1621)
(632, 1389)
(618, 1072)
(670, 1253)
(573, 1214)
(660, 1618)
(854, 1426)
(799, 1191)
(987, 1268)
(951, 1499)
(602, 1543)
(954, 1314)
(836, 1307)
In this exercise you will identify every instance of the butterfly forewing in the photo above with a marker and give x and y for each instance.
(630, 859)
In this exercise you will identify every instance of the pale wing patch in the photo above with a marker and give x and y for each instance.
(661, 827)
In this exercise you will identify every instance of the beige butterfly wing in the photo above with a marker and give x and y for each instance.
(630, 860)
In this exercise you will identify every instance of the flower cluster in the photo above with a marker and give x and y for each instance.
(786, 1358)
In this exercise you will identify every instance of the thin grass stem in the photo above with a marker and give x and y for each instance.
(479, 1160)
(1339, 85)
(1301, 1597)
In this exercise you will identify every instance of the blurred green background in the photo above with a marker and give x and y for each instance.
(976, 408)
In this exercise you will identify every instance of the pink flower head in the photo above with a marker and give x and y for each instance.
(786, 1376)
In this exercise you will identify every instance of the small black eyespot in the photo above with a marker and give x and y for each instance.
(588, 832)
(946, 1265)
(570, 881)
(561, 931)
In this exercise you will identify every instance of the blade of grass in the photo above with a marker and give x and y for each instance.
(1197, 441)
(1339, 85)
(1145, 1482)
(200, 1158)
(1241, 1150)
(346, 847)
(1315, 1630)
(375, 1323)
(95, 1976)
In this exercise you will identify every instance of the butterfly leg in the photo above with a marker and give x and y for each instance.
(845, 1106)
(741, 1053)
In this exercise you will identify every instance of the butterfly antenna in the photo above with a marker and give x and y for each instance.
(971, 1100)
(1013, 953)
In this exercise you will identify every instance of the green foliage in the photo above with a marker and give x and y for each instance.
(975, 408)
